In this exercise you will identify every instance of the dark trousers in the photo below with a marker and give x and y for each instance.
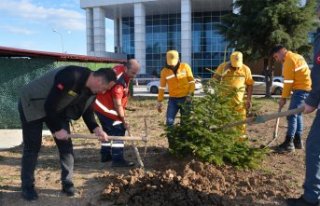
(312, 178)
(112, 128)
(32, 138)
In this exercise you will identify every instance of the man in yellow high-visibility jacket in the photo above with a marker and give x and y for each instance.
(181, 84)
(238, 76)
(296, 75)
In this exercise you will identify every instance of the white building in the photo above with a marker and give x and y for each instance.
(146, 29)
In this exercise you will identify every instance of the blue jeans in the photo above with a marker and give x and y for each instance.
(312, 179)
(295, 122)
(117, 146)
(174, 105)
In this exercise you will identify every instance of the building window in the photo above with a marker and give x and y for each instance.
(128, 36)
(208, 46)
(162, 34)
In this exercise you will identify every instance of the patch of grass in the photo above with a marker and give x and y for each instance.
(14, 177)
(291, 173)
(2, 179)
(267, 171)
(292, 184)
(79, 141)
(6, 178)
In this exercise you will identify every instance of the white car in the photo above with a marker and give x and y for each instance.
(259, 86)
(277, 79)
(153, 87)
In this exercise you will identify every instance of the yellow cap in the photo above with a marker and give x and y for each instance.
(172, 57)
(236, 59)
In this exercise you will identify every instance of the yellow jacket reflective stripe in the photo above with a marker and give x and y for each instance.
(296, 74)
(180, 85)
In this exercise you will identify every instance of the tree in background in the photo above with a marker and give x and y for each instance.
(259, 25)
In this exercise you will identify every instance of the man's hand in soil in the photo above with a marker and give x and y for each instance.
(61, 134)
(100, 134)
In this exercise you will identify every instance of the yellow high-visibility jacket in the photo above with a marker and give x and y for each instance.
(180, 85)
(296, 74)
(237, 79)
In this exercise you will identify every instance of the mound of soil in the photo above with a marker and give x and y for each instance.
(198, 184)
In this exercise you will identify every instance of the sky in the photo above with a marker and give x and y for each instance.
(46, 25)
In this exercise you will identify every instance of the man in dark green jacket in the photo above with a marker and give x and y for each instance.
(57, 97)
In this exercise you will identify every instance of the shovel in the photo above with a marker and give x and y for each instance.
(263, 118)
(276, 130)
(136, 151)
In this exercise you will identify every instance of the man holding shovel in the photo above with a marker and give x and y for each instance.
(296, 74)
(109, 107)
(56, 98)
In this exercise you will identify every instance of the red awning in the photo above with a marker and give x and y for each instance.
(16, 52)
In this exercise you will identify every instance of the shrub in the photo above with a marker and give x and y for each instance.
(201, 133)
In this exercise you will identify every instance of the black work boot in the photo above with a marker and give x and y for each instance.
(68, 189)
(118, 159)
(299, 202)
(122, 163)
(105, 152)
(287, 145)
(298, 142)
(29, 193)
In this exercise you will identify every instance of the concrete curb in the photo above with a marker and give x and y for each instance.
(10, 138)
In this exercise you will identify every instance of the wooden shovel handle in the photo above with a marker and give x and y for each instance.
(264, 118)
(93, 136)
(276, 127)
(268, 117)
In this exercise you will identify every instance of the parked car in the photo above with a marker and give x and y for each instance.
(153, 87)
(143, 79)
(278, 79)
(259, 86)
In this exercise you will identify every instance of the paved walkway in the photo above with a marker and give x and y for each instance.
(13, 137)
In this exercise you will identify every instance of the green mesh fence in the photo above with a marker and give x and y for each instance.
(15, 73)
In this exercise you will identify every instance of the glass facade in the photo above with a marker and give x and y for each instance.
(163, 33)
(128, 36)
(208, 46)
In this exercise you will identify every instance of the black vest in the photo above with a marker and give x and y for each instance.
(34, 94)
